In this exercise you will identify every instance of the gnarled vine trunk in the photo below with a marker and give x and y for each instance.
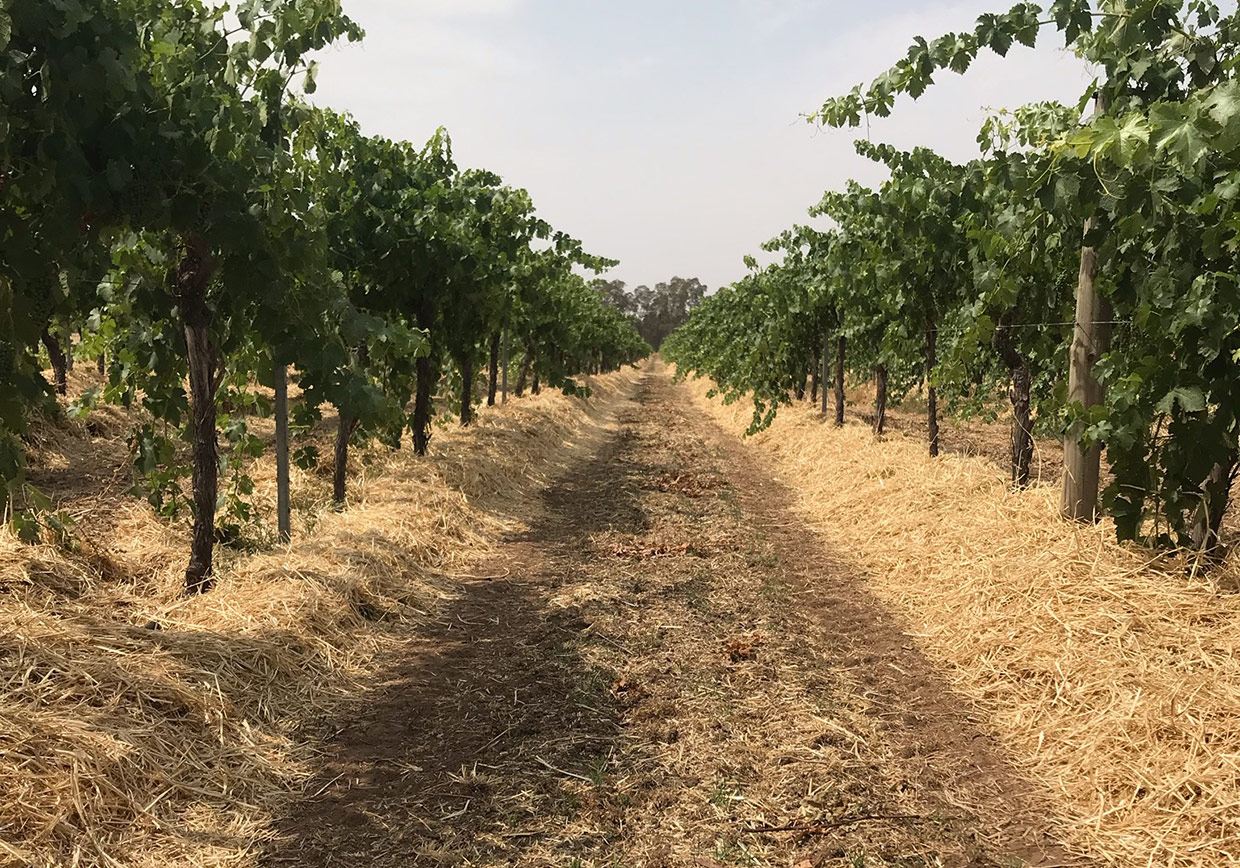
(1022, 425)
(839, 382)
(932, 397)
(1215, 495)
(340, 472)
(504, 365)
(466, 365)
(815, 378)
(426, 369)
(422, 404)
(880, 399)
(193, 278)
(523, 375)
(344, 433)
(60, 365)
(493, 372)
(535, 388)
(825, 356)
(1020, 394)
(284, 503)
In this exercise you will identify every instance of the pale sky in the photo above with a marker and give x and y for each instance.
(669, 135)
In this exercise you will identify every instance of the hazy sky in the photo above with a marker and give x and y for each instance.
(668, 135)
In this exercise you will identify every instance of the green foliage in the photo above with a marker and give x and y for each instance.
(151, 150)
(990, 251)
(657, 311)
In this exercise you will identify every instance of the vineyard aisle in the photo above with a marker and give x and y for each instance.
(664, 670)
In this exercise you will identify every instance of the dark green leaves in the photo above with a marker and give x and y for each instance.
(1186, 398)
(1073, 17)
(1156, 172)
(915, 73)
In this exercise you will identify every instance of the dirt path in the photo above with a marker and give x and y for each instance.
(668, 673)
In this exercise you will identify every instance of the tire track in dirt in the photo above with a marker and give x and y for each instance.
(670, 666)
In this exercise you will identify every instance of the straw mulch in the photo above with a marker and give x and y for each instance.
(1112, 676)
(141, 728)
(644, 677)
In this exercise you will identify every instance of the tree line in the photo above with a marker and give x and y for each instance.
(173, 208)
(657, 311)
(1084, 263)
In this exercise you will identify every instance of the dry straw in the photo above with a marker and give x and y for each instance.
(139, 728)
(1111, 676)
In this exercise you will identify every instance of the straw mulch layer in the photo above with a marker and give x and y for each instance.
(645, 676)
(141, 728)
(1111, 676)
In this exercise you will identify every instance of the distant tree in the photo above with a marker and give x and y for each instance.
(613, 294)
(657, 312)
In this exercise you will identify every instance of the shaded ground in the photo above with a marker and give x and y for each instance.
(990, 440)
(975, 436)
(664, 671)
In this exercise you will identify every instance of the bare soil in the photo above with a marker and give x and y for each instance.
(665, 669)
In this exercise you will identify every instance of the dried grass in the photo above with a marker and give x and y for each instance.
(680, 690)
(1111, 675)
(141, 728)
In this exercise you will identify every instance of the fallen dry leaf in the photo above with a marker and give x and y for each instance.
(743, 647)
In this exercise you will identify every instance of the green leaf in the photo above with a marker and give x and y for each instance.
(27, 527)
(1183, 139)
(310, 83)
(1190, 399)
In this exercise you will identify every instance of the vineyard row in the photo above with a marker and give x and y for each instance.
(1085, 264)
(168, 194)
